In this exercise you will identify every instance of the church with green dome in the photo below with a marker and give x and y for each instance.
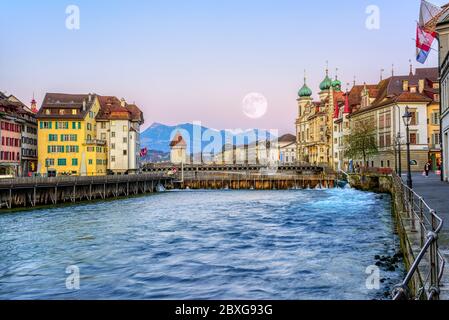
(314, 124)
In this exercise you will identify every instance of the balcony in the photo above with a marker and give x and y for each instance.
(96, 142)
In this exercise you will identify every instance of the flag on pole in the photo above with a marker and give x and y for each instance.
(143, 152)
(422, 56)
(424, 39)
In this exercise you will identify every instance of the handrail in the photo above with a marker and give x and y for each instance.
(430, 224)
(79, 179)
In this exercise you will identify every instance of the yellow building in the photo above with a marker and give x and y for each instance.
(433, 114)
(67, 137)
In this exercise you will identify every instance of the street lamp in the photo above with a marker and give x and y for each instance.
(398, 139)
(407, 117)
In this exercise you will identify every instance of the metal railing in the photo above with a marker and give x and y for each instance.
(81, 179)
(426, 271)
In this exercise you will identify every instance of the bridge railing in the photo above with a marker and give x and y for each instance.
(80, 179)
(426, 272)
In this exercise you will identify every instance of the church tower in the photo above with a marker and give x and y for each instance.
(34, 105)
(304, 104)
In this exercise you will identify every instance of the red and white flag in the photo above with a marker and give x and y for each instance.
(424, 39)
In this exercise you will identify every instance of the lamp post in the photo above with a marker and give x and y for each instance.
(407, 117)
(399, 154)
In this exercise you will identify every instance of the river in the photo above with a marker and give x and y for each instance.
(298, 244)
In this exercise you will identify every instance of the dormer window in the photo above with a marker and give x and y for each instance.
(47, 111)
(405, 85)
(413, 89)
(74, 112)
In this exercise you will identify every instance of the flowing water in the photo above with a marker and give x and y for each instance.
(299, 244)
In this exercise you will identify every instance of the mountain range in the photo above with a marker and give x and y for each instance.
(158, 136)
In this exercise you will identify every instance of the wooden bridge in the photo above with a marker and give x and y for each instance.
(32, 192)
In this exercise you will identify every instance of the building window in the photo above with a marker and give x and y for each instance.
(72, 149)
(436, 138)
(90, 162)
(113, 134)
(113, 159)
(62, 162)
(125, 128)
(45, 125)
(74, 162)
(125, 140)
(49, 162)
(413, 138)
(125, 152)
(112, 146)
(62, 125)
(53, 137)
(435, 118)
(414, 121)
(103, 125)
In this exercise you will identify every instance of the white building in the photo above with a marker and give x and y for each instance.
(178, 150)
(443, 32)
(287, 149)
(118, 123)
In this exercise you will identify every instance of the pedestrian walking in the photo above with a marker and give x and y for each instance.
(427, 168)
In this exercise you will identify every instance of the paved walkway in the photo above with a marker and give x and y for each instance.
(436, 195)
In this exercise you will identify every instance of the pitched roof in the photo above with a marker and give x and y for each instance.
(111, 108)
(391, 90)
(178, 141)
(54, 102)
(287, 138)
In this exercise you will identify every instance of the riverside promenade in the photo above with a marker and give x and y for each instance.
(436, 194)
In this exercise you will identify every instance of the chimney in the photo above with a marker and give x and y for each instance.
(84, 105)
(90, 97)
(123, 102)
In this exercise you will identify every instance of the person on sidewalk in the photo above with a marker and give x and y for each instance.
(427, 168)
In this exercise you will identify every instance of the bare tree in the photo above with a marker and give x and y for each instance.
(361, 142)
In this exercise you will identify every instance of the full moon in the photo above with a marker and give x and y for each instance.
(254, 105)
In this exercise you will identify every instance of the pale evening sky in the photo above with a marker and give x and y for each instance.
(195, 60)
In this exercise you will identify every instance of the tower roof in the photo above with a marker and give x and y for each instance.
(326, 84)
(178, 141)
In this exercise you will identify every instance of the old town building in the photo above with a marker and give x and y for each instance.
(443, 32)
(287, 149)
(385, 105)
(18, 156)
(118, 123)
(68, 142)
(314, 125)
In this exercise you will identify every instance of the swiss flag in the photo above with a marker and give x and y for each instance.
(424, 39)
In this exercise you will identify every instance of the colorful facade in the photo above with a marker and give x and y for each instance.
(18, 135)
(419, 92)
(67, 134)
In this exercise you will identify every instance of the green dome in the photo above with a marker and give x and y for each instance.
(326, 84)
(305, 91)
(336, 84)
